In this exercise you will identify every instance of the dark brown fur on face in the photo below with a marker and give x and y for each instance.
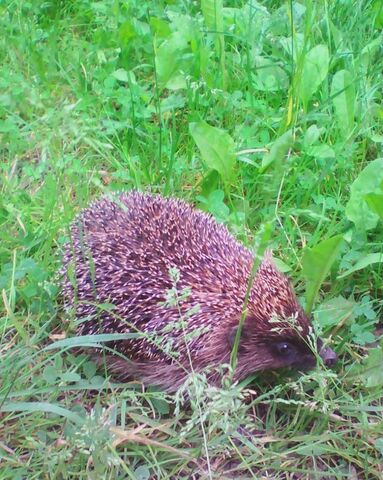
(121, 253)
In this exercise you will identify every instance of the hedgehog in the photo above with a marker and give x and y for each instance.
(178, 281)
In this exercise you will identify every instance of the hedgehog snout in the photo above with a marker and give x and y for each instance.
(328, 356)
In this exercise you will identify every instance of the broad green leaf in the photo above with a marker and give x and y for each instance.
(281, 265)
(173, 101)
(364, 309)
(311, 136)
(379, 445)
(126, 32)
(375, 202)
(377, 138)
(89, 369)
(369, 54)
(362, 333)
(313, 449)
(212, 11)
(42, 407)
(343, 93)
(121, 75)
(248, 23)
(378, 11)
(278, 151)
(368, 181)
(315, 70)
(269, 76)
(70, 377)
(217, 148)
(216, 205)
(142, 473)
(316, 263)
(50, 374)
(370, 372)
(369, 259)
(160, 405)
(210, 183)
(171, 58)
(321, 151)
(334, 311)
(160, 27)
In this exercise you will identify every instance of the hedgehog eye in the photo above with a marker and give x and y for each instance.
(284, 348)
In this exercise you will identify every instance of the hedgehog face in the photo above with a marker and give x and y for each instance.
(258, 351)
(276, 333)
(290, 354)
(283, 352)
(283, 346)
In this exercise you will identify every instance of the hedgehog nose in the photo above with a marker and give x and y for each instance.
(329, 357)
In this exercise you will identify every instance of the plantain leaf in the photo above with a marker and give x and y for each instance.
(334, 311)
(269, 76)
(315, 70)
(375, 202)
(316, 264)
(172, 60)
(278, 150)
(343, 91)
(369, 181)
(212, 11)
(369, 259)
(217, 148)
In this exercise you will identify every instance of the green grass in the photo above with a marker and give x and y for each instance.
(102, 96)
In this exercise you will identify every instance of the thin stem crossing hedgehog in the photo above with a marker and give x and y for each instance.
(132, 249)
